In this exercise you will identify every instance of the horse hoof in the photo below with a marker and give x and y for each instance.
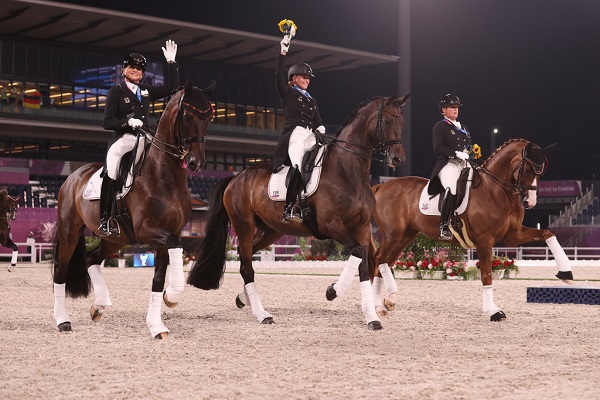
(167, 302)
(375, 326)
(499, 316)
(65, 327)
(239, 303)
(162, 335)
(565, 276)
(381, 311)
(96, 313)
(330, 294)
(268, 321)
(389, 304)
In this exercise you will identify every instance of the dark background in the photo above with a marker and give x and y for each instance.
(530, 68)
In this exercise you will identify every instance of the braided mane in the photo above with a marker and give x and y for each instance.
(355, 112)
(501, 147)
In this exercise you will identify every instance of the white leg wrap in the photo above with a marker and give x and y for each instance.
(176, 281)
(13, 259)
(376, 287)
(562, 261)
(257, 308)
(366, 296)
(388, 279)
(153, 318)
(347, 275)
(102, 297)
(488, 301)
(60, 307)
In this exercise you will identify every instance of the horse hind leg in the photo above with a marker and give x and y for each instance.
(14, 257)
(172, 295)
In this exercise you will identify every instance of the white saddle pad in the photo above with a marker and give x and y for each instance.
(277, 189)
(429, 206)
(94, 185)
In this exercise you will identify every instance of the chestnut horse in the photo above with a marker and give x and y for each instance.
(504, 186)
(8, 212)
(159, 206)
(343, 207)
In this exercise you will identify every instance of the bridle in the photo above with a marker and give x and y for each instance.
(10, 213)
(181, 149)
(382, 146)
(518, 187)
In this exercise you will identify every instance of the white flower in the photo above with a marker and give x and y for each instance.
(420, 263)
(449, 271)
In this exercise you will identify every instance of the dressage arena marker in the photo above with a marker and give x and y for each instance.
(562, 295)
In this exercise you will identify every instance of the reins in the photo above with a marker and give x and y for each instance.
(382, 146)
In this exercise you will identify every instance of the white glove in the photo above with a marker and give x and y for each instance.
(135, 123)
(285, 44)
(292, 32)
(462, 155)
(170, 50)
(321, 130)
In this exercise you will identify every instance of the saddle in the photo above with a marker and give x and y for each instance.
(312, 164)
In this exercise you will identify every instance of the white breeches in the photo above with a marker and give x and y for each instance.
(301, 140)
(450, 173)
(120, 147)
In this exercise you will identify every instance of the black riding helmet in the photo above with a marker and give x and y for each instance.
(300, 69)
(449, 100)
(136, 60)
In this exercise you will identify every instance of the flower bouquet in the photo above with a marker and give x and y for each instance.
(285, 25)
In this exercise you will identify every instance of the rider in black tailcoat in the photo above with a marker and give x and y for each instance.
(302, 119)
(451, 144)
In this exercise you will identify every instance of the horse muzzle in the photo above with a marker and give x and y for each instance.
(196, 165)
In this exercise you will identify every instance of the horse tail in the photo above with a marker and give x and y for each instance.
(209, 267)
(78, 283)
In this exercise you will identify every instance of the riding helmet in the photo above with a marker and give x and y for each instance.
(449, 100)
(135, 59)
(300, 69)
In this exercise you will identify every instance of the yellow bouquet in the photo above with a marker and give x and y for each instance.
(285, 25)
(476, 151)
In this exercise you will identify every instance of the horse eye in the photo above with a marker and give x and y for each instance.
(188, 118)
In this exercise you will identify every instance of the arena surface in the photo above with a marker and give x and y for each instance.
(437, 345)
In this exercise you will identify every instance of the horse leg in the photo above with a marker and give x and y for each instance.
(101, 293)
(15, 255)
(366, 294)
(176, 281)
(390, 253)
(485, 267)
(262, 239)
(340, 287)
(158, 329)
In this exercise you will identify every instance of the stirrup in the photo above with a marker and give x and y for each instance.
(107, 230)
(291, 216)
(445, 233)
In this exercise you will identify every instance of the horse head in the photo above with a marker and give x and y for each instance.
(193, 114)
(9, 204)
(388, 130)
(517, 165)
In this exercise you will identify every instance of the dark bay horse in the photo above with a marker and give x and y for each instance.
(8, 212)
(159, 205)
(503, 187)
(343, 207)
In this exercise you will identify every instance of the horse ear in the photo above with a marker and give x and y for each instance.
(391, 99)
(210, 88)
(402, 101)
(189, 86)
(549, 149)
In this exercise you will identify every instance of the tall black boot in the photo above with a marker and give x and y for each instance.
(107, 200)
(293, 188)
(447, 208)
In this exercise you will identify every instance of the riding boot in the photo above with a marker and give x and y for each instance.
(293, 188)
(447, 208)
(107, 200)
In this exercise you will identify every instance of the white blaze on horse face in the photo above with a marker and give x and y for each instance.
(531, 198)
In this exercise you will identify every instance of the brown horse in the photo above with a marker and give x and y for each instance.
(342, 207)
(8, 212)
(503, 187)
(159, 206)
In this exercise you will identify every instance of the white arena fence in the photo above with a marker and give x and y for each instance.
(524, 256)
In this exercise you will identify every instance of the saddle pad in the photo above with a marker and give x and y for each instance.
(429, 206)
(94, 185)
(277, 189)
